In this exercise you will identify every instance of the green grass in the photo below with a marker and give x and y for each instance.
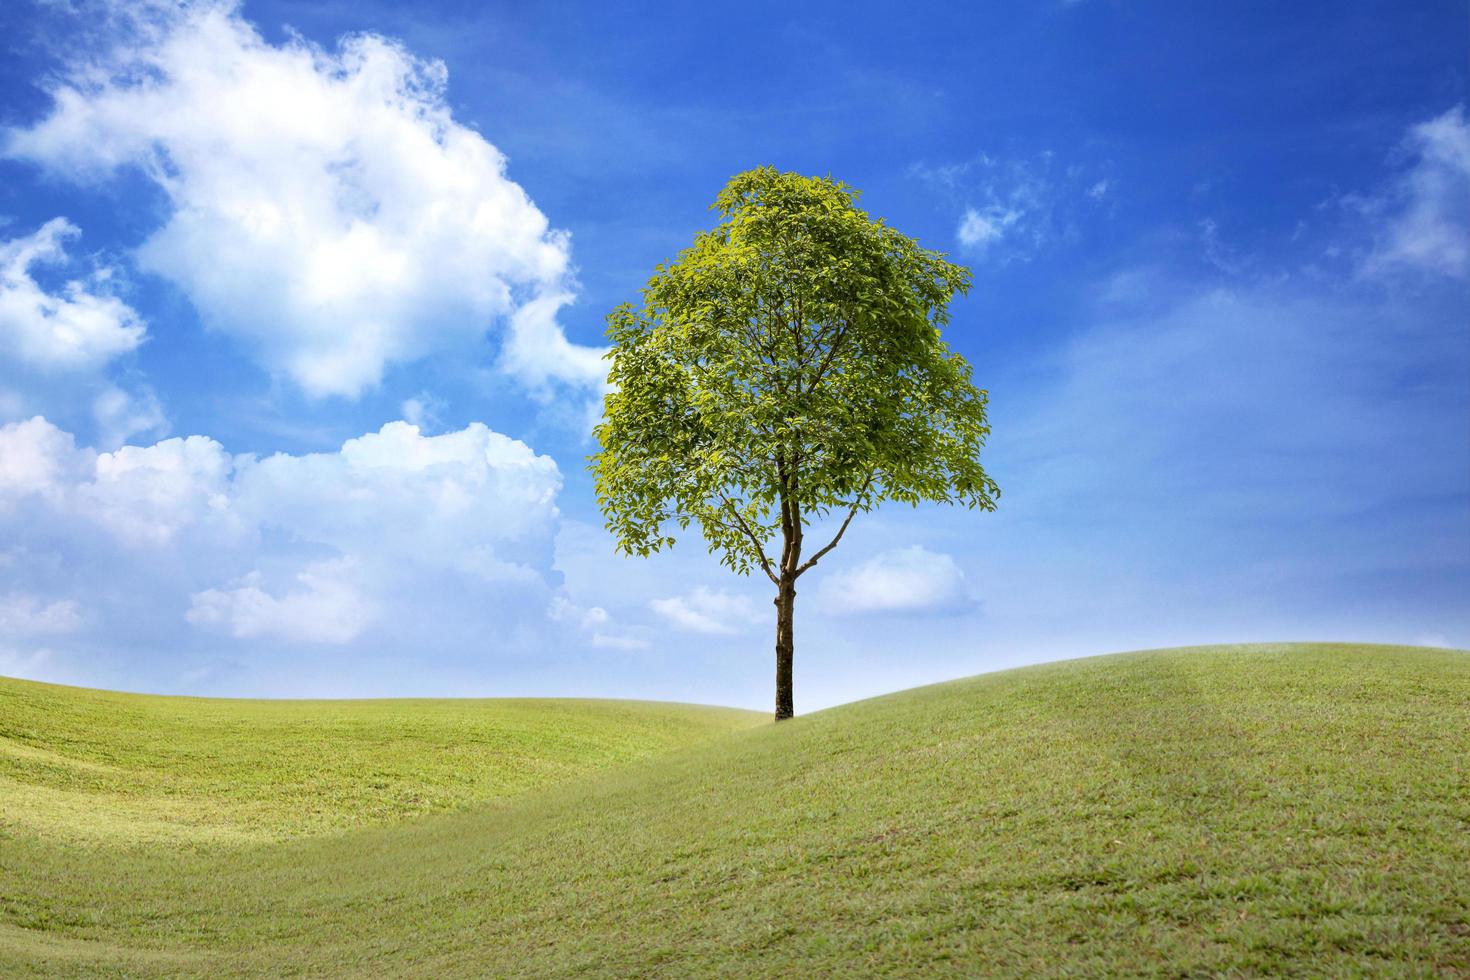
(1235, 810)
(107, 768)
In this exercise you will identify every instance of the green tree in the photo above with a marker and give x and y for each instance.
(787, 367)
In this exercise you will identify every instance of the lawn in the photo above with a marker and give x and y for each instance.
(1297, 809)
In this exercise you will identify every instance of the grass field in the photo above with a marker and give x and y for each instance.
(111, 769)
(1269, 809)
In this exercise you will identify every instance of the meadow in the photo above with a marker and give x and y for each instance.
(108, 768)
(1283, 809)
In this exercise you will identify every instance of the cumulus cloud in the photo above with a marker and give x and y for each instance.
(539, 353)
(326, 209)
(37, 459)
(147, 494)
(474, 499)
(394, 543)
(460, 496)
(61, 330)
(904, 580)
(704, 610)
(75, 327)
(325, 608)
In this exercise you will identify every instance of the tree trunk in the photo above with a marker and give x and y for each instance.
(785, 645)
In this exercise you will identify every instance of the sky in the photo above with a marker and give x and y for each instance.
(301, 334)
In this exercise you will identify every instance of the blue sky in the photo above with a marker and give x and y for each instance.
(300, 309)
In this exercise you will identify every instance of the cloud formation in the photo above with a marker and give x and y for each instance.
(63, 332)
(1425, 213)
(473, 500)
(596, 625)
(904, 580)
(979, 230)
(23, 615)
(78, 327)
(325, 607)
(1226, 463)
(326, 209)
(704, 610)
(120, 415)
(461, 498)
(1012, 208)
(396, 541)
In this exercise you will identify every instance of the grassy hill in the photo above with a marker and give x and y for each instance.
(1268, 809)
(109, 769)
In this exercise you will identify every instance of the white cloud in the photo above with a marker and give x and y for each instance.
(37, 459)
(395, 546)
(456, 497)
(1011, 208)
(77, 327)
(905, 580)
(596, 625)
(1425, 213)
(327, 608)
(1432, 640)
(539, 353)
(704, 610)
(422, 411)
(978, 231)
(1008, 207)
(473, 500)
(58, 339)
(121, 416)
(146, 495)
(563, 610)
(28, 615)
(327, 210)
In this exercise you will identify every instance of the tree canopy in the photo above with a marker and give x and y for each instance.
(786, 367)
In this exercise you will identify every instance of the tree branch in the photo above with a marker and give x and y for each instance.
(784, 490)
(856, 503)
(826, 361)
(793, 553)
(760, 552)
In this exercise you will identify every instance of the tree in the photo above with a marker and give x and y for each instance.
(787, 367)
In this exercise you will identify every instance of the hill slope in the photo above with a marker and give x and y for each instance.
(110, 768)
(1299, 809)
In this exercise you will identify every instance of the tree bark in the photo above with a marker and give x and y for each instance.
(785, 645)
